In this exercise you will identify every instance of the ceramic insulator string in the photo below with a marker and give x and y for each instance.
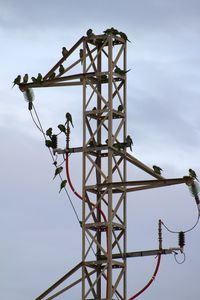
(181, 239)
(160, 234)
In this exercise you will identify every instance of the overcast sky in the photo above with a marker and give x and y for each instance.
(40, 237)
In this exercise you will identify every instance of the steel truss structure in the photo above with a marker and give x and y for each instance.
(105, 159)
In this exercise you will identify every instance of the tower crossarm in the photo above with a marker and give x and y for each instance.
(144, 253)
(141, 184)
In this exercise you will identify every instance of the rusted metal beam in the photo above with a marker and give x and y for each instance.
(144, 253)
(61, 280)
(64, 58)
(160, 182)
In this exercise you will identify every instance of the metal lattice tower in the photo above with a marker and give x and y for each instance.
(105, 157)
(105, 223)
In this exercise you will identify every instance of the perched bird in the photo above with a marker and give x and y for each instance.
(123, 36)
(62, 127)
(81, 55)
(129, 142)
(90, 33)
(104, 77)
(119, 145)
(63, 184)
(61, 69)
(69, 119)
(64, 51)
(25, 78)
(107, 31)
(39, 78)
(52, 76)
(120, 71)
(55, 163)
(193, 174)
(58, 171)
(54, 140)
(48, 143)
(91, 143)
(111, 30)
(94, 108)
(34, 79)
(120, 108)
(17, 80)
(114, 31)
(157, 170)
(49, 132)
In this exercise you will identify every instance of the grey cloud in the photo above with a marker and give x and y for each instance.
(155, 15)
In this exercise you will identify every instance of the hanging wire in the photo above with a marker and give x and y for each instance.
(35, 121)
(182, 261)
(52, 156)
(194, 191)
(190, 229)
(40, 128)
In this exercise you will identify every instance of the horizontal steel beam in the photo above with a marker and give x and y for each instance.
(139, 185)
(143, 253)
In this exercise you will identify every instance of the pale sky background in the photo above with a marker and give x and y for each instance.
(40, 238)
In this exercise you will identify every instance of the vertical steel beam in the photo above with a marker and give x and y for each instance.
(83, 173)
(98, 175)
(110, 154)
(124, 174)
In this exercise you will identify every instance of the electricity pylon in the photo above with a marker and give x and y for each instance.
(105, 157)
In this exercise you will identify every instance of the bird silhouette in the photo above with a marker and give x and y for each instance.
(58, 171)
(25, 78)
(49, 132)
(17, 80)
(63, 184)
(52, 76)
(69, 119)
(124, 36)
(64, 51)
(62, 127)
(120, 71)
(129, 142)
(157, 170)
(61, 69)
(120, 108)
(193, 174)
(39, 78)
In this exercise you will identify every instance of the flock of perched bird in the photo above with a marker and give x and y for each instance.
(110, 31)
(192, 173)
(129, 142)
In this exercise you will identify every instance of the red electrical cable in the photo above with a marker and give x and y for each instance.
(104, 217)
(74, 191)
(80, 197)
(150, 281)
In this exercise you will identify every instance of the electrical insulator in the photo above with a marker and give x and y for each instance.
(29, 97)
(30, 105)
(160, 234)
(54, 141)
(181, 239)
(68, 135)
